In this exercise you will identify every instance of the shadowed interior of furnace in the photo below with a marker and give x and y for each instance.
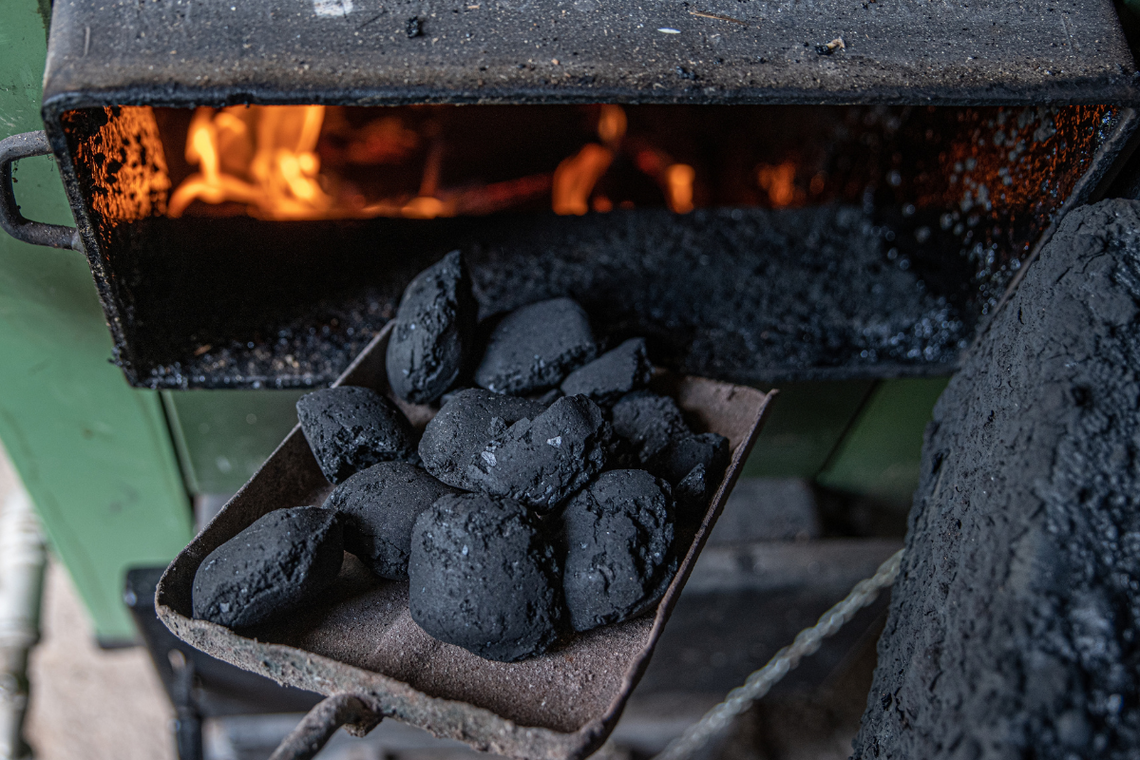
(239, 226)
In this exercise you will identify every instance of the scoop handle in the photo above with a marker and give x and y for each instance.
(316, 728)
(12, 149)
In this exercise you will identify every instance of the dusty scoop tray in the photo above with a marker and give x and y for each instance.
(360, 639)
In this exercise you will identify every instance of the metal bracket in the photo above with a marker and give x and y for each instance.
(12, 149)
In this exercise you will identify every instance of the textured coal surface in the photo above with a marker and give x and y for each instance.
(541, 462)
(464, 425)
(535, 347)
(285, 559)
(745, 295)
(433, 333)
(484, 577)
(619, 539)
(1013, 626)
(378, 508)
(613, 374)
(649, 422)
(351, 428)
(679, 458)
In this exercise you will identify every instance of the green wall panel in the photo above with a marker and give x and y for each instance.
(806, 424)
(94, 454)
(223, 436)
(881, 453)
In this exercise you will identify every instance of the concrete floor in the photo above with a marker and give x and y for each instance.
(88, 704)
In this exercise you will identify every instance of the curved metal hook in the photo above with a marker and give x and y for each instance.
(12, 149)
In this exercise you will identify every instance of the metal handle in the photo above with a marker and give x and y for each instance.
(316, 728)
(12, 149)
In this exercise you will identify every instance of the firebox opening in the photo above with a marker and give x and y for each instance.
(265, 245)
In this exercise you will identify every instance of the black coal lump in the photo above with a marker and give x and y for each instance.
(618, 535)
(378, 508)
(649, 422)
(544, 461)
(485, 577)
(350, 428)
(464, 425)
(613, 374)
(432, 331)
(678, 459)
(282, 561)
(533, 348)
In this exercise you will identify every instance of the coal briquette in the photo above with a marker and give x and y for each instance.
(678, 459)
(613, 374)
(543, 461)
(466, 423)
(283, 560)
(350, 428)
(378, 508)
(484, 577)
(533, 348)
(618, 535)
(432, 331)
(649, 422)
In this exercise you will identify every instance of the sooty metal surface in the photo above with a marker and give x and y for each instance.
(366, 52)
(361, 640)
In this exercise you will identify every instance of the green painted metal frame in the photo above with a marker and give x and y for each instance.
(95, 455)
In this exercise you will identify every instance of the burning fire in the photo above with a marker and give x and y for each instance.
(267, 158)
(264, 157)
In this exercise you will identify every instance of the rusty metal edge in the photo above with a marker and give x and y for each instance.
(476, 726)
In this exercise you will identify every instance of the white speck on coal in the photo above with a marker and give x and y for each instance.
(378, 507)
(619, 532)
(501, 599)
(279, 563)
(543, 477)
(533, 348)
(350, 428)
(433, 331)
(469, 419)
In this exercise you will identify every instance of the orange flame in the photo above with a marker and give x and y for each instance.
(575, 177)
(264, 157)
(780, 182)
(612, 124)
(679, 187)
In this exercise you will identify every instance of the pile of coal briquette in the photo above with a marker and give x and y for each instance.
(552, 492)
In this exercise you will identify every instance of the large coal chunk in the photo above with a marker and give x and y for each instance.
(484, 577)
(613, 374)
(534, 347)
(466, 423)
(350, 428)
(649, 422)
(544, 461)
(378, 508)
(281, 562)
(619, 537)
(432, 332)
(678, 459)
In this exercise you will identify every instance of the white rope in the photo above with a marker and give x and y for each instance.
(806, 643)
